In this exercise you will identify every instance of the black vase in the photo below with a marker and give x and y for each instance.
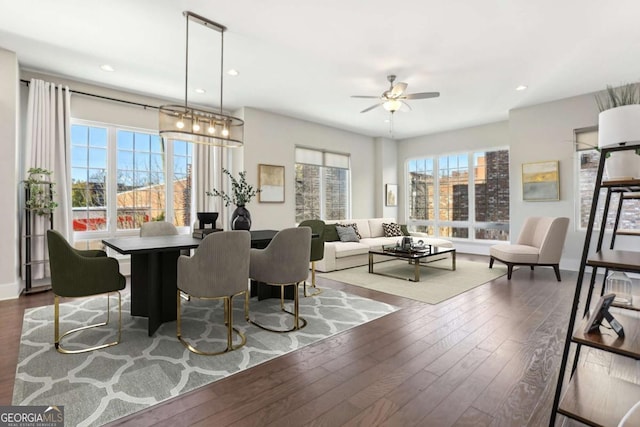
(240, 219)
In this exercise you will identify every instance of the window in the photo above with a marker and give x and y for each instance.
(462, 201)
(588, 159)
(119, 180)
(322, 184)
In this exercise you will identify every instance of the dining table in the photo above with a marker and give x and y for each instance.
(154, 265)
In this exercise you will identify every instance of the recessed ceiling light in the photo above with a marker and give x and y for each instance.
(200, 90)
(233, 72)
(387, 120)
(108, 68)
(522, 87)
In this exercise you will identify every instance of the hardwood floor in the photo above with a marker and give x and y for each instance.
(488, 357)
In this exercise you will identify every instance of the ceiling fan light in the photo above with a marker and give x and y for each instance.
(392, 105)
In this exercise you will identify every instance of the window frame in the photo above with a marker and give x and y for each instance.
(471, 224)
(111, 185)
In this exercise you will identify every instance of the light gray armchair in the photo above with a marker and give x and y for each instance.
(284, 262)
(219, 269)
(158, 228)
(540, 243)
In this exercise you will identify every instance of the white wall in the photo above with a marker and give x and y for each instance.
(546, 132)
(386, 173)
(9, 119)
(271, 138)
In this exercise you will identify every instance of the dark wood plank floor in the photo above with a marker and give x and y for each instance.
(488, 357)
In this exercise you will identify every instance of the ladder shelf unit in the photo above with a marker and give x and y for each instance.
(594, 397)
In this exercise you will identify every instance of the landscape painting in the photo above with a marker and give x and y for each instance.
(540, 181)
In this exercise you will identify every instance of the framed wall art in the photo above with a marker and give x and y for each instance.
(271, 184)
(540, 181)
(391, 194)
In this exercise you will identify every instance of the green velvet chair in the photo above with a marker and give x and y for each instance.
(76, 274)
(317, 250)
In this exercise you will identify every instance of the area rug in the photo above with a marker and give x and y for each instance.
(436, 284)
(141, 371)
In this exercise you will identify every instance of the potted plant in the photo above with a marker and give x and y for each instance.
(241, 193)
(619, 123)
(40, 191)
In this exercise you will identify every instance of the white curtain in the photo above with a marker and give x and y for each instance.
(47, 146)
(207, 177)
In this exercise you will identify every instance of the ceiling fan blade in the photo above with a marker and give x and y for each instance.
(365, 96)
(422, 95)
(370, 108)
(398, 89)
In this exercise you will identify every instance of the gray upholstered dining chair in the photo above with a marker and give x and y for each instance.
(219, 269)
(540, 242)
(158, 228)
(75, 274)
(317, 250)
(284, 262)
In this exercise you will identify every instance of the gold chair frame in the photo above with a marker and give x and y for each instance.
(296, 310)
(56, 327)
(318, 291)
(228, 321)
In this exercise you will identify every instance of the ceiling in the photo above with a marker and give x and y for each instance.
(305, 59)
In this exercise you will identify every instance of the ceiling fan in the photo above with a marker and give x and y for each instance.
(394, 98)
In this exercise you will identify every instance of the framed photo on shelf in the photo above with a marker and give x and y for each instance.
(271, 184)
(391, 194)
(540, 181)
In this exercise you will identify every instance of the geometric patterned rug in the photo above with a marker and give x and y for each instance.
(101, 386)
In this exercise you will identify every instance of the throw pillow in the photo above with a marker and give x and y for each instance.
(347, 234)
(352, 225)
(392, 230)
(405, 231)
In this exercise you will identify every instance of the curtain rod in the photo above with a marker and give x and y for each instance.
(145, 106)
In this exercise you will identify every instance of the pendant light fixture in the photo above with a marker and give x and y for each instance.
(196, 124)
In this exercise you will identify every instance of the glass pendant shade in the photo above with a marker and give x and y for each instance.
(392, 105)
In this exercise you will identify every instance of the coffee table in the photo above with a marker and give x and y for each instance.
(416, 257)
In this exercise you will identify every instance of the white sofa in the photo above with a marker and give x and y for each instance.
(339, 255)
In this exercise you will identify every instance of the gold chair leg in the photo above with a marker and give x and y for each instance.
(318, 291)
(297, 319)
(228, 321)
(58, 337)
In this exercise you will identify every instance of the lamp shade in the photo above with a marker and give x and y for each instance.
(619, 125)
(177, 122)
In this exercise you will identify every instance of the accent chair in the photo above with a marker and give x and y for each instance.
(219, 269)
(76, 273)
(539, 243)
(284, 262)
(317, 250)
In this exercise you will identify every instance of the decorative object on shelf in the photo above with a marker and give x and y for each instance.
(618, 124)
(619, 283)
(241, 194)
(206, 224)
(540, 181)
(40, 191)
(197, 124)
(271, 184)
(391, 194)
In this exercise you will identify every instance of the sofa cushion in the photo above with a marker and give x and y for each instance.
(330, 233)
(349, 224)
(376, 243)
(391, 229)
(515, 253)
(347, 249)
(347, 233)
(375, 226)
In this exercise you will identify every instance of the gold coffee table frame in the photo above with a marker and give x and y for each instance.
(416, 257)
